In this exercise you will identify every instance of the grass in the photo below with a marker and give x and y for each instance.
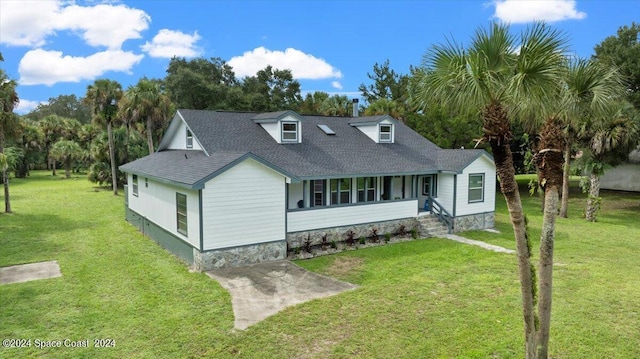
(423, 299)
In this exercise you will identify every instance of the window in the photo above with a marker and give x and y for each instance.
(476, 187)
(366, 189)
(317, 193)
(189, 139)
(181, 212)
(385, 133)
(341, 191)
(289, 132)
(135, 185)
(429, 186)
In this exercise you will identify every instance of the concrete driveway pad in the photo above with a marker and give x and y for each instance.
(28, 272)
(261, 290)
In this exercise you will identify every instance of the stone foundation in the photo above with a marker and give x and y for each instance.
(339, 234)
(474, 222)
(240, 256)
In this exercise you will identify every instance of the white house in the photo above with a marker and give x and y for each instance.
(231, 188)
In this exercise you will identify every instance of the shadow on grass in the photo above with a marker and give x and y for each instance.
(28, 238)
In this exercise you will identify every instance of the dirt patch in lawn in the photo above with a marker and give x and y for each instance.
(344, 266)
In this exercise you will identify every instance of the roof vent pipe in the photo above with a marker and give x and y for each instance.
(355, 107)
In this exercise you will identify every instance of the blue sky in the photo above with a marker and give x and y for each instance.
(58, 47)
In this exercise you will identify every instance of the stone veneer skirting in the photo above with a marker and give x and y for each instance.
(339, 234)
(240, 256)
(474, 222)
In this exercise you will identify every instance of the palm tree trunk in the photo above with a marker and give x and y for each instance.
(593, 202)
(496, 128)
(509, 187)
(112, 155)
(67, 168)
(150, 135)
(5, 178)
(549, 160)
(564, 206)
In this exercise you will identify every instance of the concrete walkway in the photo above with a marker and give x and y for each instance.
(481, 244)
(28, 272)
(261, 290)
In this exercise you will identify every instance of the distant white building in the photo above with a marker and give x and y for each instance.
(625, 177)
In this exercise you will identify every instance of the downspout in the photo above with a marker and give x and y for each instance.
(201, 221)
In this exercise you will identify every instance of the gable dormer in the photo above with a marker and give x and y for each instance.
(380, 129)
(284, 126)
(179, 136)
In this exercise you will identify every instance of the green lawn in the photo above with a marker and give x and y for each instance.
(423, 299)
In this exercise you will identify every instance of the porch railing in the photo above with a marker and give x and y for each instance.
(443, 215)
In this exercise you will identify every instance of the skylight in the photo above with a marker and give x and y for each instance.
(326, 129)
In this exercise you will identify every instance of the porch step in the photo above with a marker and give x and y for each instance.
(430, 226)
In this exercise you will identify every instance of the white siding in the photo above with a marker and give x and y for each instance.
(179, 139)
(244, 205)
(445, 191)
(347, 215)
(295, 194)
(480, 165)
(625, 177)
(157, 203)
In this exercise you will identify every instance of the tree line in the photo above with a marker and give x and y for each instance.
(534, 108)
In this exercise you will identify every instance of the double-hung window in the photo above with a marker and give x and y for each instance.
(189, 139)
(289, 132)
(386, 133)
(476, 187)
(340, 191)
(317, 193)
(366, 189)
(181, 213)
(134, 185)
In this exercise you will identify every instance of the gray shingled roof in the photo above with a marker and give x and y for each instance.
(227, 136)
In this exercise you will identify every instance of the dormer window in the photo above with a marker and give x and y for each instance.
(386, 134)
(289, 132)
(189, 139)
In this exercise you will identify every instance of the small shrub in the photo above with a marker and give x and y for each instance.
(414, 233)
(307, 243)
(325, 242)
(296, 250)
(351, 236)
(362, 240)
(387, 237)
(402, 230)
(374, 235)
(334, 245)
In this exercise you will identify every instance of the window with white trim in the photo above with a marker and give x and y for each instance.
(366, 189)
(340, 191)
(476, 187)
(289, 132)
(134, 185)
(181, 213)
(386, 133)
(189, 139)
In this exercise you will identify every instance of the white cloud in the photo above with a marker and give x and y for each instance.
(515, 11)
(49, 67)
(169, 43)
(336, 85)
(302, 66)
(29, 23)
(25, 106)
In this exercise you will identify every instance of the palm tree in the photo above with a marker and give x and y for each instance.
(66, 152)
(103, 97)
(607, 141)
(8, 126)
(147, 103)
(499, 79)
(591, 90)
